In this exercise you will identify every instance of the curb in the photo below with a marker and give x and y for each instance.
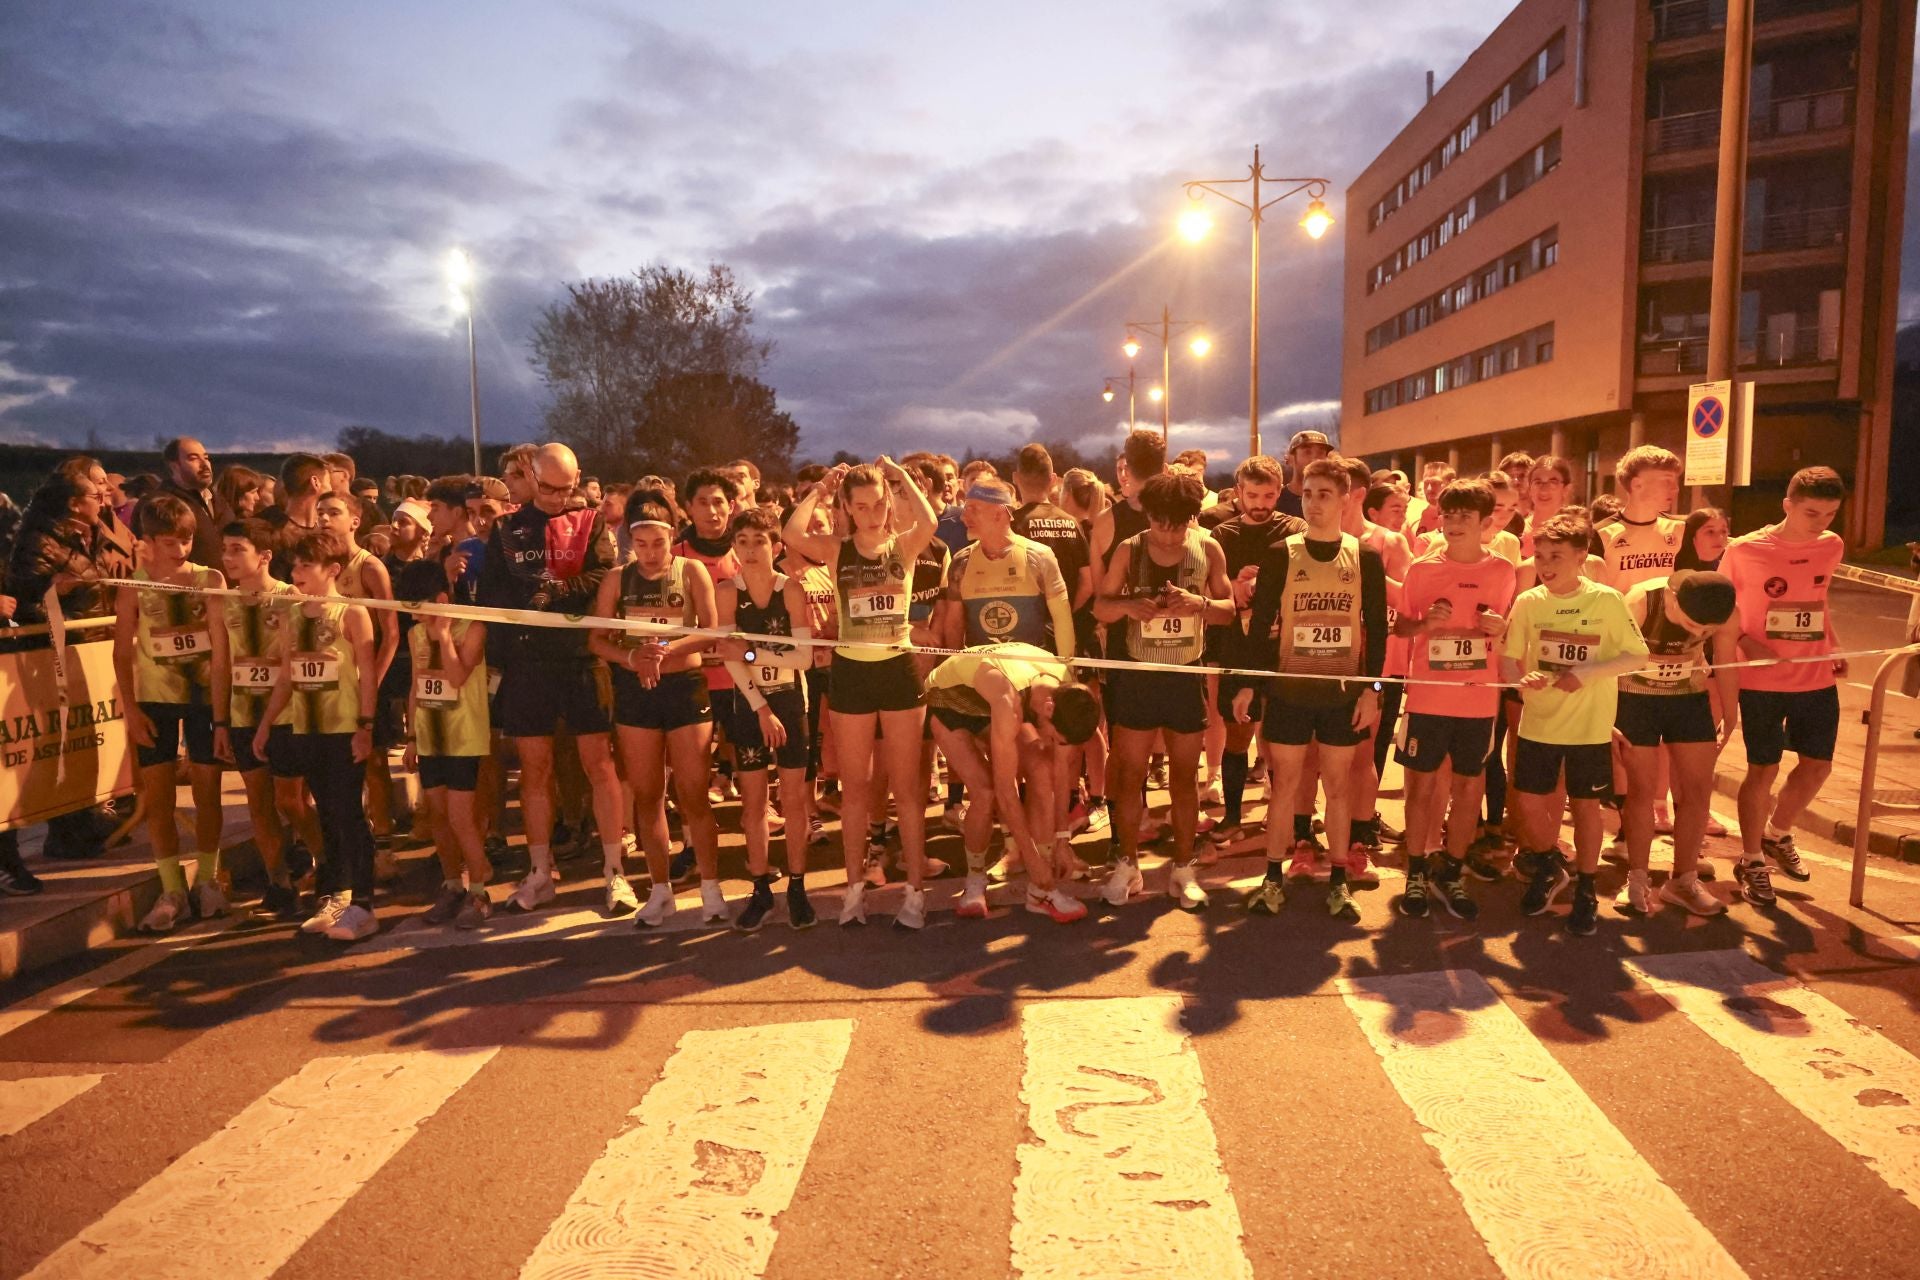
(1825, 821)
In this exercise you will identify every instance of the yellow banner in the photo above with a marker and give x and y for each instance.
(56, 757)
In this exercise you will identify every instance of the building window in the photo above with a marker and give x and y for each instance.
(1530, 348)
(1536, 254)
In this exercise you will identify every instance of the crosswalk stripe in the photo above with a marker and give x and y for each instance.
(712, 1159)
(1850, 1080)
(24, 1101)
(1120, 1174)
(1548, 1181)
(273, 1176)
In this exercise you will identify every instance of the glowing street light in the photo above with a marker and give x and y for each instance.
(1318, 219)
(1200, 346)
(1195, 223)
(1163, 329)
(1108, 392)
(1156, 394)
(1131, 347)
(460, 276)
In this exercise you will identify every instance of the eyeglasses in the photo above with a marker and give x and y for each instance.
(556, 490)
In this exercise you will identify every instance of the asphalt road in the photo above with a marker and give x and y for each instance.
(1146, 1092)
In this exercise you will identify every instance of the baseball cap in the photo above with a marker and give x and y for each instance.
(1309, 437)
(414, 510)
(487, 487)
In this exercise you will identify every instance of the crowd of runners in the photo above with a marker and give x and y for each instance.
(1023, 653)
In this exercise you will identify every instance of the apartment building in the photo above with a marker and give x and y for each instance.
(1528, 262)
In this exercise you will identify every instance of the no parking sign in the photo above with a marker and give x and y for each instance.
(1714, 417)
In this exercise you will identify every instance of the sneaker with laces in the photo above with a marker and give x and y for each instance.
(386, 867)
(1211, 795)
(533, 892)
(875, 871)
(1481, 868)
(800, 912)
(446, 904)
(1387, 831)
(1414, 901)
(208, 902)
(853, 907)
(280, 902)
(1361, 871)
(973, 898)
(18, 882)
(954, 816)
(659, 908)
(1057, 905)
(683, 866)
(1340, 903)
(168, 910)
(913, 910)
(1687, 892)
(1450, 886)
(1267, 898)
(475, 911)
(1185, 889)
(355, 923)
(1584, 918)
(816, 833)
(1098, 819)
(1077, 815)
(759, 907)
(1785, 856)
(327, 913)
(1307, 863)
(1636, 895)
(1755, 881)
(1157, 775)
(1705, 868)
(620, 896)
(1005, 867)
(1123, 881)
(713, 903)
(1546, 880)
(1715, 827)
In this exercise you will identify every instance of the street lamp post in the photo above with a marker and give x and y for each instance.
(460, 272)
(1163, 329)
(1195, 223)
(1107, 393)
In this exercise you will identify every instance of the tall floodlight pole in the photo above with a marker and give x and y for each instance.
(460, 272)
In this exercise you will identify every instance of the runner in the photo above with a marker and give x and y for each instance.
(1567, 641)
(166, 645)
(1641, 543)
(1005, 716)
(662, 707)
(1369, 828)
(1165, 584)
(366, 578)
(1781, 575)
(1305, 449)
(875, 687)
(1004, 588)
(1319, 610)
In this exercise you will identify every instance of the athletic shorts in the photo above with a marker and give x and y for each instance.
(240, 738)
(1434, 740)
(1589, 769)
(750, 752)
(1157, 700)
(455, 773)
(866, 688)
(1649, 719)
(171, 720)
(1806, 723)
(536, 698)
(1292, 725)
(680, 699)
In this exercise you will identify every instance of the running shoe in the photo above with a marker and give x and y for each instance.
(973, 899)
(1585, 915)
(1123, 881)
(208, 902)
(1414, 901)
(496, 848)
(913, 910)
(1267, 898)
(629, 846)
(1211, 795)
(1340, 903)
(446, 904)
(829, 797)
(1157, 775)
(1150, 830)
(475, 911)
(1715, 827)
(1450, 886)
(1077, 815)
(1099, 819)
(1687, 892)
(759, 907)
(18, 882)
(936, 867)
(355, 923)
(1361, 871)
(169, 909)
(800, 913)
(620, 896)
(875, 872)
(329, 911)
(1307, 863)
(853, 907)
(1387, 831)
(1706, 869)
(1662, 822)
(684, 865)
(954, 817)
(1785, 856)
(1185, 889)
(1480, 868)
(1546, 880)
(816, 833)
(1057, 905)
(1636, 895)
(533, 892)
(1755, 880)
(1224, 835)
(659, 909)
(713, 903)
(280, 901)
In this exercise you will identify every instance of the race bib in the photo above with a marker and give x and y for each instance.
(876, 603)
(1789, 621)
(767, 679)
(655, 615)
(1325, 639)
(1457, 653)
(433, 689)
(315, 672)
(1176, 626)
(178, 644)
(1667, 673)
(252, 675)
(1560, 650)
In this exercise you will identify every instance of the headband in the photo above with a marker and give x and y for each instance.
(988, 493)
(662, 524)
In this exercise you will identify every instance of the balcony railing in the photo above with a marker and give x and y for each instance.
(1777, 118)
(1799, 342)
(1673, 19)
(1769, 233)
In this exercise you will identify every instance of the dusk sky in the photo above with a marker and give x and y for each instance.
(232, 219)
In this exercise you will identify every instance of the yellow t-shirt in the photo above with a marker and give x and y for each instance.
(1547, 632)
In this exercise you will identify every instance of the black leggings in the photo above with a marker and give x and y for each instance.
(1383, 734)
(1497, 771)
(335, 779)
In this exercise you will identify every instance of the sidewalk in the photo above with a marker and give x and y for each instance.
(1895, 829)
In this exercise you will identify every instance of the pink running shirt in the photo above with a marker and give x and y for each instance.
(1781, 592)
(1462, 653)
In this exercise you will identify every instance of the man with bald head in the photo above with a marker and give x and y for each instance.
(550, 555)
(190, 479)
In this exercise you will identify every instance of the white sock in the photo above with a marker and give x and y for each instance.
(612, 860)
(542, 856)
(1776, 833)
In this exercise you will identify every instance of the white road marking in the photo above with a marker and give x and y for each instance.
(1857, 1085)
(715, 1151)
(244, 1201)
(25, 1011)
(1119, 1134)
(26, 1100)
(1507, 1121)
